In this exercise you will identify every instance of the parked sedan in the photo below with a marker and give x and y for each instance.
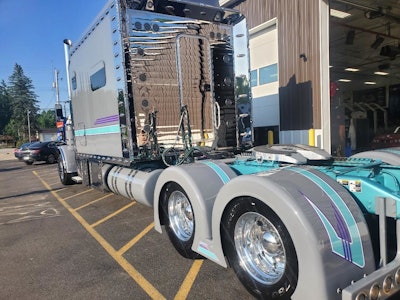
(42, 151)
(387, 140)
(18, 152)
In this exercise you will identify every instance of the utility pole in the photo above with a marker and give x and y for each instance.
(56, 86)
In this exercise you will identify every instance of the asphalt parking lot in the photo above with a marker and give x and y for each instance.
(73, 242)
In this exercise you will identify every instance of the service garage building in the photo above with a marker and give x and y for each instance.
(323, 72)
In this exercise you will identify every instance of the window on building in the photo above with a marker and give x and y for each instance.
(269, 74)
(73, 81)
(253, 78)
(98, 78)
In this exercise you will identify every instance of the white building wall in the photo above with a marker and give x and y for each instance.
(264, 52)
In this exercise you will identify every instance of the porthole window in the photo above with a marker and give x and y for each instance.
(73, 81)
(98, 78)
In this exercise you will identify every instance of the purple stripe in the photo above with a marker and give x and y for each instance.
(343, 230)
(350, 253)
(347, 251)
(344, 234)
(107, 119)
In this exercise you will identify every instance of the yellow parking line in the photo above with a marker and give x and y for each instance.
(113, 214)
(81, 193)
(136, 276)
(135, 239)
(44, 172)
(91, 202)
(189, 280)
(50, 177)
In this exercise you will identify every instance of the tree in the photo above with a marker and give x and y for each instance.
(242, 88)
(46, 119)
(23, 100)
(12, 129)
(5, 107)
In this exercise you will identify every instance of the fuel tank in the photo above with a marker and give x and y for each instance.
(134, 184)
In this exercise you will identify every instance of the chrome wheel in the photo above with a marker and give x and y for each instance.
(179, 219)
(260, 248)
(180, 215)
(61, 171)
(65, 178)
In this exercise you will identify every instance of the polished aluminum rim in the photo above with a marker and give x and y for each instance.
(260, 248)
(180, 215)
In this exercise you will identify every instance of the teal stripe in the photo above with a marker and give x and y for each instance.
(207, 253)
(356, 244)
(98, 130)
(217, 169)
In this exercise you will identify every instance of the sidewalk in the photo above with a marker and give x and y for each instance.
(7, 154)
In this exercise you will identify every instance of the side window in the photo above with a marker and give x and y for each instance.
(98, 78)
(269, 74)
(73, 81)
(253, 78)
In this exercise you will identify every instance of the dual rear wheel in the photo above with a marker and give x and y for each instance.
(259, 249)
(256, 242)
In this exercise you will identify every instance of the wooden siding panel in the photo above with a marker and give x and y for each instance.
(258, 11)
(299, 49)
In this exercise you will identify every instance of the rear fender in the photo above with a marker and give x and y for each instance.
(67, 156)
(201, 181)
(326, 225)
(389, 156)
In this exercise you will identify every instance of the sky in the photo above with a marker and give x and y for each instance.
(32, 34)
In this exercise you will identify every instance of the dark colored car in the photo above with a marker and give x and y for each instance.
(42, 151)
(19, 151)
(387, 140)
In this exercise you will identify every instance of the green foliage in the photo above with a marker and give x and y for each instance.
(18, 104)
(242, 88)
(12, 129)
(5, 106)
(46, 119)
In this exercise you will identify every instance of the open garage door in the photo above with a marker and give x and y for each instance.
(365, 71)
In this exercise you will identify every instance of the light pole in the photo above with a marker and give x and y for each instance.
(29, 125)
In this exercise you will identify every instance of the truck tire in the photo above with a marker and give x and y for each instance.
(179, 219)
(65, 178)
(268, 268)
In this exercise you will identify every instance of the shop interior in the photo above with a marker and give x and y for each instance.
(364, 74)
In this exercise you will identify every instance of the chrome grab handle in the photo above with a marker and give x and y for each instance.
(218, 120)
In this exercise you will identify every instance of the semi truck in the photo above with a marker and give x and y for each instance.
(161, 114)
